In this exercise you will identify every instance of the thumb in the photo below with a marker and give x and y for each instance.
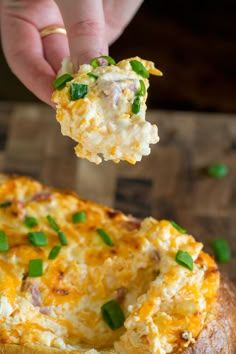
(85, 25)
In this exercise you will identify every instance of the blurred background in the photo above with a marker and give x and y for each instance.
(192, 42)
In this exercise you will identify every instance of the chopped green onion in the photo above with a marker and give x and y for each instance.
(177, 227)
(5, 204)
(142, 89)
(30, 222)
(3, 242)
(93, 75)
(217, 170)
(136, 105)
(62, 238)
(95, 63)
(61, 81)
(38, 238)
(138, 67)
(112, 314)
(221, 250)
(105, 237)
(79, 217)
(53, 223)
(184, 259)
(78, 91)
(35, 268)
(54, 252)
(56, 228)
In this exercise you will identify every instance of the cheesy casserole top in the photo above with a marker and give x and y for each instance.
(164, 303)
(108, 120)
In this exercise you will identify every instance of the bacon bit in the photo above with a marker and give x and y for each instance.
(62, 292)
(42, 196)
(35, 294)
(61, 275)
(120, 294)
(113, 213)
(46, 310)
(112, 91)
(155, 256)
(102, 61)
(131, 225)
(18, 210)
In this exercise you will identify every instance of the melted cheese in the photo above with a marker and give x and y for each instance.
(102, 122)
(161, 300)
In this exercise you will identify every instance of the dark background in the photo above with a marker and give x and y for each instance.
(192, 42)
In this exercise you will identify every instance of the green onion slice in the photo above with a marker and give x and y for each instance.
(61, 81)
(218, 170)
(3, 242)
(30, 222)
(62, 238)
(5, 204)
(78, 91)
(136, 105)
(183, 258)
(105, 237)
(35, 268)
(79, 217)
(56, 228)
(177, 227)
(95, 63)
(93, 75)
(221, 250)
(54, 252)
(53, 223)
(142, 89)
(38, 238)
(138, 67)
(112, 314)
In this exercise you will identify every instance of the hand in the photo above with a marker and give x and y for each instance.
(91, 26)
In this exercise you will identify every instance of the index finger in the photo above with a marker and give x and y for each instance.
(85, 25)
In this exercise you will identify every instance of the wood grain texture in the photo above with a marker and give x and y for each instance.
(169, 183)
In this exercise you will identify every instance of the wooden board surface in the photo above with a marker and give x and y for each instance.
(171, 183)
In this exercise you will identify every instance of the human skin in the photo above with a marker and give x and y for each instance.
(91, 25)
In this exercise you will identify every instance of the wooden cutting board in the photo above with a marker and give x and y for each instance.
(170, 183)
